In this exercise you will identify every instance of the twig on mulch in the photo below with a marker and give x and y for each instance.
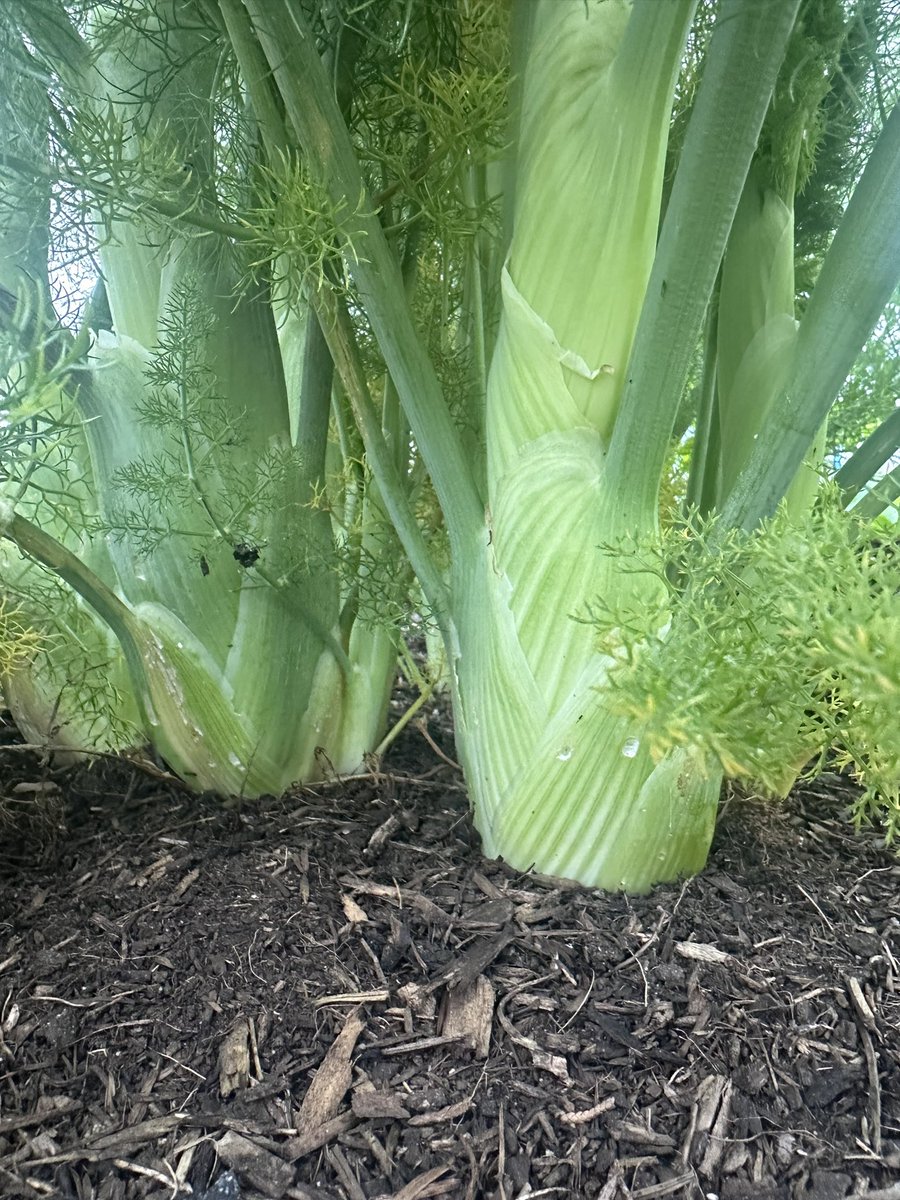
(865, 1020)
(144, 765)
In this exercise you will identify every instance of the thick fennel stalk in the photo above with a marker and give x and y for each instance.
(248, 676)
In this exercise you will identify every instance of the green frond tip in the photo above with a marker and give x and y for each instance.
(18, 641)
(794, 126)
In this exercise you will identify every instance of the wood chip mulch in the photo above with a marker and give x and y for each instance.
(333, 994)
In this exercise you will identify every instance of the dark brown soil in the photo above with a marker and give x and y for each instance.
(334, 995)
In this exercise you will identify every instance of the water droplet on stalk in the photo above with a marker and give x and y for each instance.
(631, 747)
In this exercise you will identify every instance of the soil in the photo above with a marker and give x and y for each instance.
(333, 994)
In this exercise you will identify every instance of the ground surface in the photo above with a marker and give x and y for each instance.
(335, 995)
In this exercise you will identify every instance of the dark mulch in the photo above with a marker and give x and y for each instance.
(334, 995)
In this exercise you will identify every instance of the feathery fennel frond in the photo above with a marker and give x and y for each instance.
(769, 650)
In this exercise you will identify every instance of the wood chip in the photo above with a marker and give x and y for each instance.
(419, 1187)
(701, 952)
(186, 882)
(371, 1103)
(321, 1135)
(382, 836)
(468, 1015)
(234, 1059)
(419, 998)
(477, 959)
(260, 1168)
(353, 912)
(451, 1113)
(710, 1118)
(332, 1079)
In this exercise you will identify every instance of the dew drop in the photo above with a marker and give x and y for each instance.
(631, 747)
(234, 760)
(565, 754)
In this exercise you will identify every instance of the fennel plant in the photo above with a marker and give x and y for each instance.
(175, 462)
(546, 224)
(602, 298)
